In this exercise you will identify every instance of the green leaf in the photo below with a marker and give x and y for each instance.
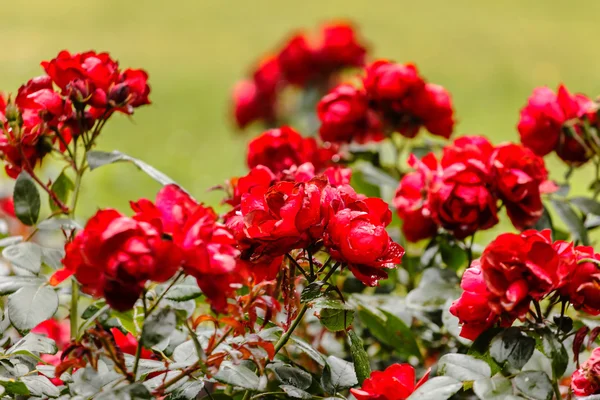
(463, 367)
(572, 220)
(130, 392)
(534, 384)
(25, 255)
(494, 388)
(10, 284)
(545, 222)
(62, 187)
(188, 391)
(292, 376)
(186, 353)
(97, 159)
(513, 347)
(40, 386)
(552, 348)
(158, 327)
(33, 343)
(337, 375)
(184, 292)
(376, 176)
(453, 255)
(361, 185)
(392, 331)
(480, 349)
(438, 388)
(334, 315)
(27, 199)
(30, 305)
(14, 387)
(362, 366)
(237, 375)
(586, 205)
(436, 287)
(309, 350)
(295, 393)
(313, 291)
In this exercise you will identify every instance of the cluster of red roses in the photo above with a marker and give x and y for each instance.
(460, 192)
(301, 62)
(393, 98)
(516, 269)
(90, 87)
(557, 122)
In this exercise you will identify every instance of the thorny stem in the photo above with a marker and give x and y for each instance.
(138, 350)
(310, 261)
(286, 336)
(469, 250)
(73, 312)
(331, 271)
(91, 320)
(292, 260)
(538, 310)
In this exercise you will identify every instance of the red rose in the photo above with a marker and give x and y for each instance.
(582, 288)
(339, 48)
(128, 344)
(130, 91)
(472, 308)
(586, 380)
(519, 175)
(297, 61)
(467, 148)
(390, 84)
(543, 119)
(114, 256)
(433, 106)
(411, 202)
(280, 149)
(260, 176)
(356, 235)
(59, 331)
(518, 268)
(397, 382)
(345, 116)
(460, 200)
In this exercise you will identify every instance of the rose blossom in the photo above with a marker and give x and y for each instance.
(397, 382)
(586, 380)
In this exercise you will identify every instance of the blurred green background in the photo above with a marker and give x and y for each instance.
(490, 55)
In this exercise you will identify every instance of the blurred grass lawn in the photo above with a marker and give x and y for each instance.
(490, 55)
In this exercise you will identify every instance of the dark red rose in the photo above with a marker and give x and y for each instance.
(472, 308)
(467, 148)
(582, 288)
(411, 201)
(390, 84)
(586, 380)
(297, 60)
(543, 120)
(518, 268)
(433, 106)
(356, 235)
(345, 117)
(397, 382)
(519, 177)
(460, 201)
(280, 149)
(128, 344)
(130, 91)
(114, 256)
(339, 48)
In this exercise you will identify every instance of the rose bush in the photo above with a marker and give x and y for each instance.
(355, 255)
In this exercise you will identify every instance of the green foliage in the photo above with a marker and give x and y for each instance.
(27, 199)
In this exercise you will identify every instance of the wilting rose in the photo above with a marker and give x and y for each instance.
(586, 380)
(473, 307)
(397, 382)
(345, 116)
(543, 122)
(114, 256)
(411, 201)
(519, 177)
(356, 235)
(520, 267)
(460, 200)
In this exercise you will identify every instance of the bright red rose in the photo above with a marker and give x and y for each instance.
(280, 149)
(467, 148)
(472, 308)
(433, 106)
(582, 288)
(114, 256)
(345, 116)
(519, 177)
(128, 344)
(258, 176)
(397, 382)
(285, 216)
(518, 268)
(339, 48)
(411, 202)
(543, 121)
(460, 200)
(356, 235)
(586, 380)
(390, 84)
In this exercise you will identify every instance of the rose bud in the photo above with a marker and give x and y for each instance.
(397, 382)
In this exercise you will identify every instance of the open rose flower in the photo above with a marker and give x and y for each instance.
(345, 117)
(472, 308)
(356, 235)
(518, 268)
(543, 122)
(466, 149)
(397, 382)
(114, 257)
(582, 288)
(586, 380)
